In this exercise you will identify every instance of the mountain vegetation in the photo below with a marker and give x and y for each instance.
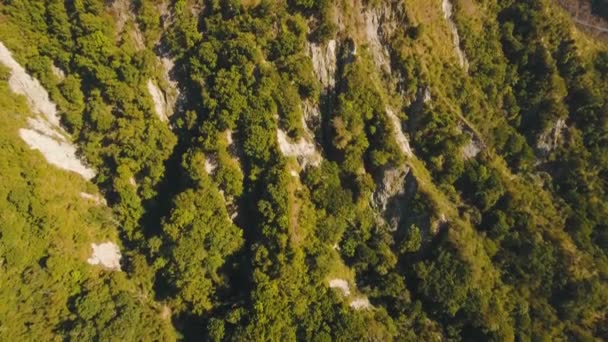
(461, 191)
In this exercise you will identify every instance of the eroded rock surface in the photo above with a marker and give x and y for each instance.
(106, 254)
(551, 139)
(160, 103)
(448, 12)
(304, 150)
(324, 62)
(44, 132)
(340, 284)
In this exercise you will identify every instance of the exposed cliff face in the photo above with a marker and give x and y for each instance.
(324, 62)
(44, 132)
(390, 193)
(378, 22)
(582, 14)
(160, 103)
(312, 116)
(474, 146)
(447, 8)
(303, 149)
(165, 91)
(174, 98)
(373, 27)
(126, 26)
(402, 140)
(552, 138)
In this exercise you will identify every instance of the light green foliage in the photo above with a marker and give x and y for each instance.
(183, 34)
(412, 240)
(48, 289)
(225, 238)
(104, 312)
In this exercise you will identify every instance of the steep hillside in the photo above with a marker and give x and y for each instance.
(303, 170)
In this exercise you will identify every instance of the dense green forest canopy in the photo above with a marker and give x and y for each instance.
(281, 170)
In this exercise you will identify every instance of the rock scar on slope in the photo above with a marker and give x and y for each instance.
(447, 8)
(106, 254)
(304, 150)
(44, 133)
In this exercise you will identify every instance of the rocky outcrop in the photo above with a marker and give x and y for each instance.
(174, 98)
(439, 224)
(402, 141)
(57, 72)
(121, 10)
(389, 186)
(340, 284)
(474, 146)
(357, 303)
(210, 164)
(160, 103)
(360, 303)
(375, 25)
(106, 254)
(23, 84)
(165, 91)
(44, 132)
(471, 150)
(447, 8)
(58, 152)
(394, 184)
(582, 14)
(97, 199)
(312, 115)
(324, 62)
(550, 140)
(303, 150)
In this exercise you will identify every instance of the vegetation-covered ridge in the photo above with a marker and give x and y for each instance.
(307, 170)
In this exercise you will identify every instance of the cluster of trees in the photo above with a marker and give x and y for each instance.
(579, 163)
(362, 131)
(548, 80)
(243, 74)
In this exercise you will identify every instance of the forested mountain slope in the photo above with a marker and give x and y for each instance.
(302, 170)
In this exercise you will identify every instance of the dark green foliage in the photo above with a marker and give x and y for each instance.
(483, 184)
(362, 128)
(199, 237)
(443, 281)
(415, 32)
(438, 140)
(105, 313)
